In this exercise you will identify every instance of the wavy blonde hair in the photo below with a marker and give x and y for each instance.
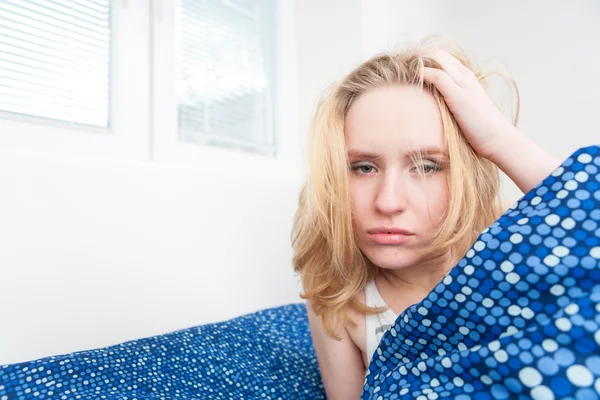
(332, 267)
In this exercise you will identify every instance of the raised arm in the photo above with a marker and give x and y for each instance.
(488, 131)
(524, 162)
(340, 361)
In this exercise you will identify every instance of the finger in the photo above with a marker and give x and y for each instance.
(442, 81)
(453, 67)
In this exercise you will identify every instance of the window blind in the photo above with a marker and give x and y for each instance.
(55, 59)
(225, 72)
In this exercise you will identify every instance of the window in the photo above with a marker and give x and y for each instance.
(225, 74)
(171, 81)
(75, 78)
(56, 59)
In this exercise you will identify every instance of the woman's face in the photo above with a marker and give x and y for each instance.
(398, 165)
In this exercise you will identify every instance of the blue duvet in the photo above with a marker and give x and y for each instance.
(517, 318)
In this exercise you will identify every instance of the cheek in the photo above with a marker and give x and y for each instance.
(436, 199)
(360, 199)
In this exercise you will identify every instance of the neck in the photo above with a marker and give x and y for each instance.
(418, 280)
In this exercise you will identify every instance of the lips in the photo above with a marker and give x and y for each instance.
(389, 235)
(389, 230)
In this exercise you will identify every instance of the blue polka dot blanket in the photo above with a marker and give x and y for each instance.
(265, 355)
(517, 318)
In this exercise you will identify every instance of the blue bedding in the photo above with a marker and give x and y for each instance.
(517, 318)
(265, 355)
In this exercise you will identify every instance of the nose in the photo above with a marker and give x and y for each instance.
(392, 194)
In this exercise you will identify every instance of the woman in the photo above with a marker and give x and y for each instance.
(404, 157)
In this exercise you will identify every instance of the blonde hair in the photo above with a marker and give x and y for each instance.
(332, 267)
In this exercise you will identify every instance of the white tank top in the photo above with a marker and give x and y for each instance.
(376, 324)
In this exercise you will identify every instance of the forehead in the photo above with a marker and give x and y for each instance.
(393, 119)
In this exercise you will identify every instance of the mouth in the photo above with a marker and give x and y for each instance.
(389, 231)
(389, 235)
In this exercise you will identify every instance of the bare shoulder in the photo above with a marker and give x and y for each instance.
(340, 360)
(355, 317)
(356, 327)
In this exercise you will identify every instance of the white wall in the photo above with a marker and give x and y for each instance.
(329, 36)
(550, 47)
(96, 252)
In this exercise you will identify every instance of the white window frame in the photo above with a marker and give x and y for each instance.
(167, 148)
(143, 112)
(127, 137)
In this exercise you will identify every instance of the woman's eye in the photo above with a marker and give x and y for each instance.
(363, 169)
(428, 169)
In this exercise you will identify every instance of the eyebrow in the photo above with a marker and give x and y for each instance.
(362, 154)
(428, 151)
(425, 151)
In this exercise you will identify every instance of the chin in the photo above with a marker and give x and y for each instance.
(392, 258)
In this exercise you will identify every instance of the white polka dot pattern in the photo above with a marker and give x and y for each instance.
(517, 318)
(529, 325)
(266, 355)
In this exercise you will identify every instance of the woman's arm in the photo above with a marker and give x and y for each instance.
(524, 162)
(488, 131)
(340, 362)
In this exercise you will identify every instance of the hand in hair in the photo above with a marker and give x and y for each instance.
(478, 117)
(488, 131)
